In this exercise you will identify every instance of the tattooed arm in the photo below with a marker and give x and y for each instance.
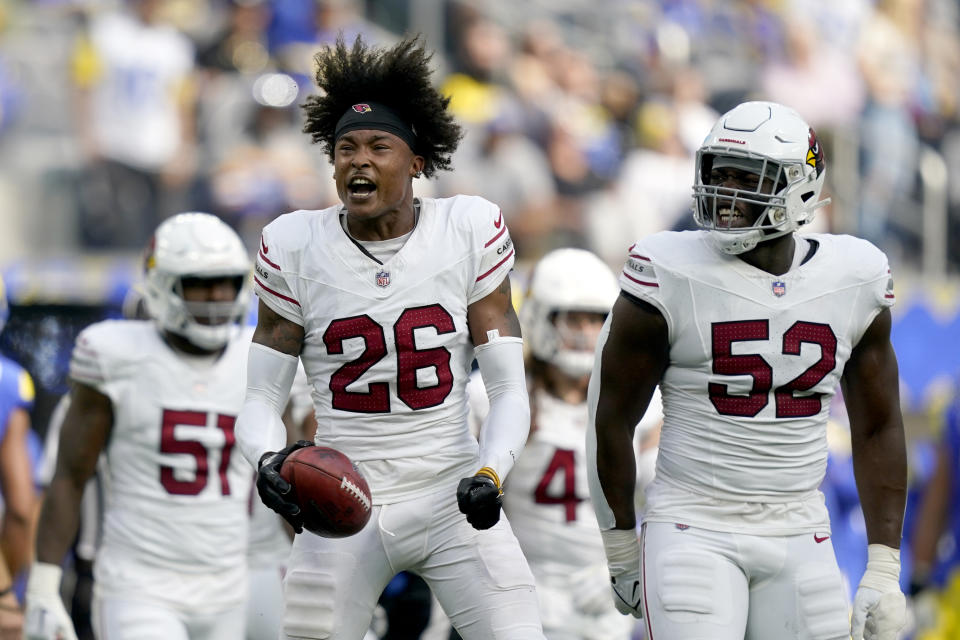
(276, 332)
(495, 311)
(505, 429)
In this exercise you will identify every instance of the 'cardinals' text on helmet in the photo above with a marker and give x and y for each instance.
(773, 142)
(196, 245)
(566, 280)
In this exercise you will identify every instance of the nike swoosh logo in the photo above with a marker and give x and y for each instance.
(263, 246)
(818, 539)
(499, 221)
(634, 601)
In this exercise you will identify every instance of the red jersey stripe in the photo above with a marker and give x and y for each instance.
(495, 267)
(494, 238)
(646, 284)
(269, 262)
(271, 291)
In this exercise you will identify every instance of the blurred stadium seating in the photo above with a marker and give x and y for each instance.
(580, 122)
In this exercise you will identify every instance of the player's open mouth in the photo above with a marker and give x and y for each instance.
(361, 188)
(728, 217)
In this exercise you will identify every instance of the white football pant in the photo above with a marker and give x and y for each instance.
(265, 604)
(562, 620)
(709, 585)
(119, 619)
(480, 578)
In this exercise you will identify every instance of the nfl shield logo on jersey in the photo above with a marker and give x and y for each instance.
(779, 288)
(383, 278)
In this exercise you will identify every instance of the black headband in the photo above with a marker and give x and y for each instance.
(373, 115)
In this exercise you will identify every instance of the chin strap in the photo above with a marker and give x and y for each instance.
(734, 243)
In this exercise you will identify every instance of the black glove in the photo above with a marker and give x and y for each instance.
(480, 499)
(274, 490)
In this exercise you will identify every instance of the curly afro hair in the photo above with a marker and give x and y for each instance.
(398, 77)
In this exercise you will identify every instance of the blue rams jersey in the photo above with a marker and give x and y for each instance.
(950, 441)
(16, 391)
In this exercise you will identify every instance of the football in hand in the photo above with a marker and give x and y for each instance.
(333, 496)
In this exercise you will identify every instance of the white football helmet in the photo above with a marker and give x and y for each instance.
(195, 245)
(565, 280)
(773, 142)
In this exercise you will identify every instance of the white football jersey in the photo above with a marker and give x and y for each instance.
(546, 497)
(176, 489)
(387, 350)
(754, 362)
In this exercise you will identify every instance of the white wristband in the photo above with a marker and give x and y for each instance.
(44, 578)
(622, 549)
(883, 568)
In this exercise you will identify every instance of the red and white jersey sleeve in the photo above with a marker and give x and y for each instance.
(277, 258)
(873, 269)
(639, 278)
(86, 361)
(176, 490)
(495, 255)
(755, 359)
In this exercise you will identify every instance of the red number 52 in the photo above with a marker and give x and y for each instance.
(788, 405)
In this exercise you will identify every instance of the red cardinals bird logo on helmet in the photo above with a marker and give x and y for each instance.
(362, 108)
(815, 152)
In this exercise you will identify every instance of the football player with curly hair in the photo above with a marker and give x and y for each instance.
(387, 298)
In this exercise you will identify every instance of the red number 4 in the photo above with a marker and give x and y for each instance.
(170, 444)
(788, 404)
(562, 462)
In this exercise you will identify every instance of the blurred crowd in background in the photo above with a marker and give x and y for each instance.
(582, 119)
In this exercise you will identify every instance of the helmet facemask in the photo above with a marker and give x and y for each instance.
(205, 324)
(210, 322)
(566, 284)
(716, 206)
(194, 249)
(574, 342)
